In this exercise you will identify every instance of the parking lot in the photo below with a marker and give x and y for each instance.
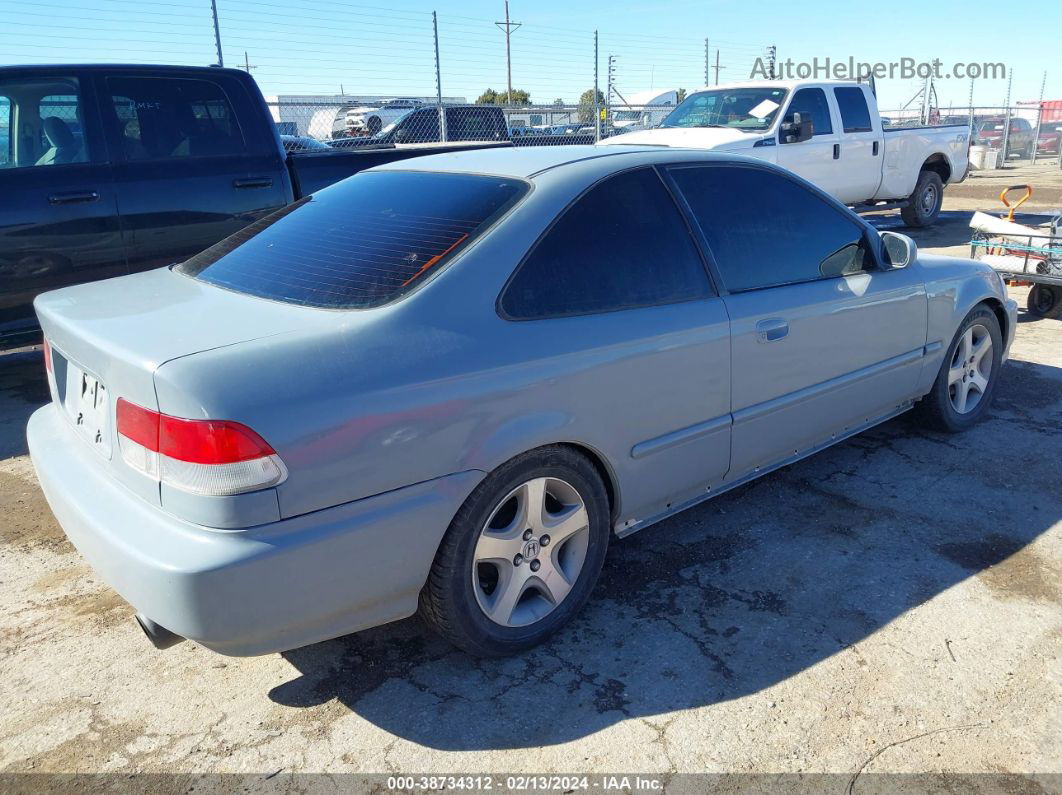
(893, 604)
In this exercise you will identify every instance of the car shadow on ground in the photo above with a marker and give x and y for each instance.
(23, 390)
(739, 593)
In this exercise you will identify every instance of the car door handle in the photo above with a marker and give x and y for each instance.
(80, 197)
(836, 151)
(771, 329)
(875, 149)
(253, 182)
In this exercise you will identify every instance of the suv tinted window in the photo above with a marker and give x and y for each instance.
(361, 243)
(811, 103)
(52, 126)
(855, 115)
(173, 118)
(621, 245)
(770, 230)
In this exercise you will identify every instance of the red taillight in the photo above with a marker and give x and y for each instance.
(215, 457)
(210, 441)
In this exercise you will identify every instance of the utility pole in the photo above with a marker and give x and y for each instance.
(438, 79)
(597, 96)
(508, 27)
(717, 67)
(217, 31)
(707, 64)
(247, 63)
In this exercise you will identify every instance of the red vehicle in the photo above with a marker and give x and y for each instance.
(1050, 135)
(1020, 140)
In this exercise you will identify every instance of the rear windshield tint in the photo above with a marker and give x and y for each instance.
(360, 243)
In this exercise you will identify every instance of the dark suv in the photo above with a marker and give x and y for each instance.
(1020, 141)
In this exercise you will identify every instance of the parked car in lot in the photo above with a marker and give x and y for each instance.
(449, 383)
(1019, 141)
(1047, 142)
(120, 169)
(370, 120)
(828, 132)
(303, 143)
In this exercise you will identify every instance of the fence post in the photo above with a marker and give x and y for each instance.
(772, 57)
(1006, 120)
(597, 94)
(217, 31)
(971, 111)
(438, 79)
(707, 63)
(1039, 118)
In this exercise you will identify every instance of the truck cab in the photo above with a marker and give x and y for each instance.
(828, 132)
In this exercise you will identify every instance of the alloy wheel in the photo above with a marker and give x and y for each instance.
(530, 552)
(970, 369)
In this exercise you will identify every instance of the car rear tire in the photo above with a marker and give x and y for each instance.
(963, 389)
(1045, 300)
(924, 203)
(522, 554)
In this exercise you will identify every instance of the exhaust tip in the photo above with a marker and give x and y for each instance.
(160, 637)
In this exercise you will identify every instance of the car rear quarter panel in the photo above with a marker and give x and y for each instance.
(906, 150)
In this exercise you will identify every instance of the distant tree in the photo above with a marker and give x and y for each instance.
(681, 95)
(492, 97)
(586, 105)
(558, 102)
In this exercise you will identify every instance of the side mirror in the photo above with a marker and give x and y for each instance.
(797, 130)
(900, 250)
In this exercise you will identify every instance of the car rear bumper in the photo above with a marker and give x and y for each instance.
(269, 588)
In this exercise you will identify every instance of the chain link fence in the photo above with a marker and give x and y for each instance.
(1005, 134)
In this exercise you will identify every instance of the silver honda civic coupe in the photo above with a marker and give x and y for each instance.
(443, 384)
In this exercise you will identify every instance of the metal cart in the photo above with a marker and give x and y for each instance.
(1034, 259)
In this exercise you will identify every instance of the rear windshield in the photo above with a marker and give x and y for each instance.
(360, 243)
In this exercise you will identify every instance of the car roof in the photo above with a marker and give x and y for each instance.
(524, 162)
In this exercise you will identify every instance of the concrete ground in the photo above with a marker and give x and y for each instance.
(893, 604)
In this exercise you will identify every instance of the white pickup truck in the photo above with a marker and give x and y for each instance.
(828, 132)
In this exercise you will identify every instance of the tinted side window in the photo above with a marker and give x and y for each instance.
(770, 230)
(173, 118)
(855, 116)
(621, 245)
(811, 103)
(51, 130)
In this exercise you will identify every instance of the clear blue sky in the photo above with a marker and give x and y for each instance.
(384, 47)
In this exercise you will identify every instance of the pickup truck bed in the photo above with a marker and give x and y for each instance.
(108, 170)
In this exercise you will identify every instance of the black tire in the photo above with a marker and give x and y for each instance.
(448, 601)
(1045, 300)
(374, 125)
(924, 203)
(935, 410)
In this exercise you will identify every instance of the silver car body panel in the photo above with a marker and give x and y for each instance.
(387, 418)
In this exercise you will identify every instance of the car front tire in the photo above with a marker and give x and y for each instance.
(522, 554)
(966, 383)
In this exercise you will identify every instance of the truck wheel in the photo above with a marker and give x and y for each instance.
(1045, 300)
(522, 554)
(966, 382)
(924, 203)
(374, 124)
